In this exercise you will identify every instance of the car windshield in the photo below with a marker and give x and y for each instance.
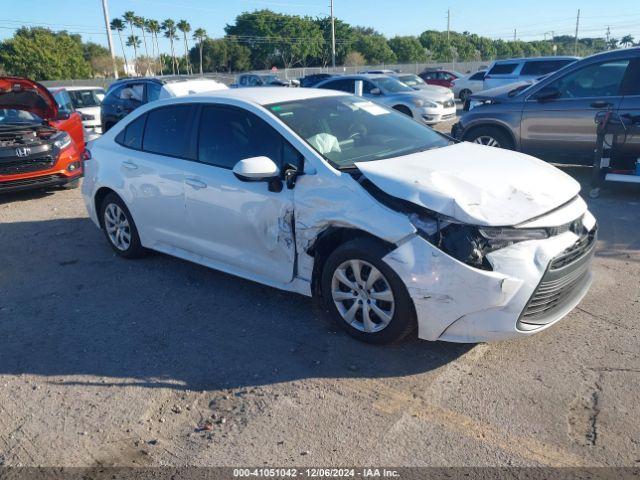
(11, 116)
(86, 98)
(391, 85)
(411, 80)
(346, 129)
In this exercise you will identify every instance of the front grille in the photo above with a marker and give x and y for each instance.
(30, 182)
(16, 166)
(563, 280)
(449, 116)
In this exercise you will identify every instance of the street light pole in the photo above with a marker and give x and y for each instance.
(333, 37)
(105, 10)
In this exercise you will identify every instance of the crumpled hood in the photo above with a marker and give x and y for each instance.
(474, 184)
(501, 92)
(23, 94)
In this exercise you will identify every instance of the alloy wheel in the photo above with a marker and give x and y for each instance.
(362, 296)
(117, 226)
(487, 140)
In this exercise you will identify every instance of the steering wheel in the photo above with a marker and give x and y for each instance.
(357, 131)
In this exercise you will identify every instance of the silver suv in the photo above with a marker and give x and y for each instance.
(554, 118)
(504, 72)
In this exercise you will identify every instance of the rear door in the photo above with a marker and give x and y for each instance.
(563, 129)
(500, 74)
(242, 227)
(158, 151)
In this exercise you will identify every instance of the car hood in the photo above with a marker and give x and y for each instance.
(499, 93)
(474, 184)
(23, 94)
(436, 93)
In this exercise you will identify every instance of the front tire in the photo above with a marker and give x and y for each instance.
(490, 136)
(364, 295)
(119, 228)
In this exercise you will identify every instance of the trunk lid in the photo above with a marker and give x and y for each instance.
(23, 94)
(474, 184)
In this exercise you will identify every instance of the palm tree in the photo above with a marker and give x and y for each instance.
(129, 17)
(169, 27)
(118, 25)
(199, 36)
(626, 40)
(185, 28)
(153, 27)
(139, 23)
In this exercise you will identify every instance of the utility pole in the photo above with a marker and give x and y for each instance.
(608, 35)
(333, 37)
(448, 23)
(575, 46)
(515, 34)
(105, 9)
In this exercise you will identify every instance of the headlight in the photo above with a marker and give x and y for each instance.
(469, 243)
(417, 102)
(424, 103)
(61, 140)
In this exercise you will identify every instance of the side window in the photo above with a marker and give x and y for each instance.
(543, 67)
(343, 85)
(133, 93)
(153, 91)
(114, 95)
(131, 136)
(228, 135)
(477, 76)
(64, 101)
(445, 76)
(167, 131)
(367, 86)
(503, 68)
(598, 80)
(429, 76)
(631, 82)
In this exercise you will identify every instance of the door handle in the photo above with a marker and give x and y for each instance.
(601, 104)
(129, 165)
(195, 183)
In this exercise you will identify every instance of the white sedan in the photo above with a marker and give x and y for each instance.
(395, 226)
(464, 86)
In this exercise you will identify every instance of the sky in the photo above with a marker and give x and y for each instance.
(491, 18)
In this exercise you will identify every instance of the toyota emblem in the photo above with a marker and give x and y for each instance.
(23, 151)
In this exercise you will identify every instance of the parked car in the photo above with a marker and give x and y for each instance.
(504, 72)
(444, 78)
(86, 101)
(69, 119)
(391, 92)
(259, 80)
(380, 71)
(464, 86)
(124, 96)
(393, 225)
(554, 118)
(414, 81)
(41, 144)
(313, 79)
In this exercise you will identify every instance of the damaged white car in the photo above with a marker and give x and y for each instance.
(395, 226)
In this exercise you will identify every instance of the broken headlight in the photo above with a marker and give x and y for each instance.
(469, 243)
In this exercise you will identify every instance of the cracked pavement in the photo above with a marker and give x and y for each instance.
(105, 361)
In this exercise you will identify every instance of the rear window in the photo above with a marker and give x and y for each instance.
(477, 76)
(543, 67)
(502, 68)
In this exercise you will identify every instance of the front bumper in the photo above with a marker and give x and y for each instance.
(432, 116)
(457, 303)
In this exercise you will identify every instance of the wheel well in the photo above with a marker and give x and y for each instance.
(330, 239)
(98, 198)
(404, 109)
(496, 126)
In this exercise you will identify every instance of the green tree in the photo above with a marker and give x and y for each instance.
(42, 54)
(130, 17)
(185, 28)
(626, 41)
(140, 23)
(374, 48)
(118, 25)
(199, 36)
(169, 28)
(345, 36)
(407, 49)
(153, 27)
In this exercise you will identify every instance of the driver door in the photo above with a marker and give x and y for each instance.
(563, 129)
(241, 227)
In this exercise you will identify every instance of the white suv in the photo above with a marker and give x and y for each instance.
(394, 225)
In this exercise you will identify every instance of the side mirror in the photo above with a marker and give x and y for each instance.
(376, 91)
(547, 93)
(256, 169)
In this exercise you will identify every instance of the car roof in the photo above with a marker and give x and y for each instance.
(266, 96)
(77, 87)
(362, 76)
(537, 59)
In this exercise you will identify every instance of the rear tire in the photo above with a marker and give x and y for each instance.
(364, 295)
(119, 228)
(490, 136)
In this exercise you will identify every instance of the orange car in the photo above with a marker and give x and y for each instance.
(40, 144)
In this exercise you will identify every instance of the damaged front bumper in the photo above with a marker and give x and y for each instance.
(523, 294)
